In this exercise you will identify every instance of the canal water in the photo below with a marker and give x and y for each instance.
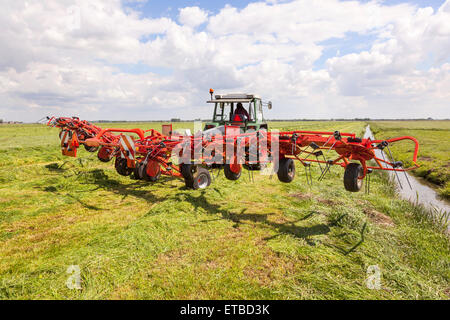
(420, 191)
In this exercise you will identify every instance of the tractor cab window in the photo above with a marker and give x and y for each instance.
(259, 111)
(243, 111)
(223, 111)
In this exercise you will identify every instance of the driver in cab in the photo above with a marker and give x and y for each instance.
(240, 114)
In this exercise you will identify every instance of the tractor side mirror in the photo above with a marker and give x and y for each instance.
(269, 105)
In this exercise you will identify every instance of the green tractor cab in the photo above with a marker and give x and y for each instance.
(225, 106)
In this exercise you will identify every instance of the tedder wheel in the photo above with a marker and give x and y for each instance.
(90, 149)
(353, 173)
(202, 179)
(122, 168)
(195, 177)
(286, 170)
(232, 171)
(138, 172)
(105, 154)
(187, 171)
(152, 171)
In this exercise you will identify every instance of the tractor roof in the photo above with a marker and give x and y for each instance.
(234, 97)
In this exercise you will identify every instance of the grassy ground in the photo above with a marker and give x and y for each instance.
(261, 240)
(434, 150)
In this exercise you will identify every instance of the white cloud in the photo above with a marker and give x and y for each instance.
(49, 65)
(192, 16)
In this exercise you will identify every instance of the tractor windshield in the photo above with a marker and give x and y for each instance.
(226, 110)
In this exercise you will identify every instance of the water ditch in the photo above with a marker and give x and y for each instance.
(420, 191)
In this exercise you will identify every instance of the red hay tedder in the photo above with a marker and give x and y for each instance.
(230, 143)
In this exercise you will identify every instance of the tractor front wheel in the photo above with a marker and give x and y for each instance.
(286, 170)
(353, 177)
(232, 171)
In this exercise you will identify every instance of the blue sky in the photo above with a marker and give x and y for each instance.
(156, 9)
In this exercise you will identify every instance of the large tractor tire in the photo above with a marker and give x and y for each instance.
(232, 171)
(122, 168)
(352, 177)
(286, 170)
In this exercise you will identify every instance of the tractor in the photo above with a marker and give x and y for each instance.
(225, 106)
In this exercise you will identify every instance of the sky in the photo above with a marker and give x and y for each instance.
(157, 60)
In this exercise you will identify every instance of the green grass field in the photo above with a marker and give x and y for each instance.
(434, 150)
(234, 240)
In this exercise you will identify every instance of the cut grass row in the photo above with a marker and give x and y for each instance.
(261, 240)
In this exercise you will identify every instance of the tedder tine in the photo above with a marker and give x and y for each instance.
(407, 179)
(395, 166)
(327, 169)
(307, 166)
(367, 188)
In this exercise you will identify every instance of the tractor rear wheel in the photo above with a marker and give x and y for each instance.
(286, 170)
(202, 179)
(230, 171)
(105, 154)
(122, 168)
(90, 149)
(352, 177)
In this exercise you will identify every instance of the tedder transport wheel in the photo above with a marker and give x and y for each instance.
(286, 170)
(90, 149)
(352, 174)
(187, 171)
(202, 179)
(195, 177)
(138, 172)
(122, 168)
(232, 171)
(151, 171)
(105, 154)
